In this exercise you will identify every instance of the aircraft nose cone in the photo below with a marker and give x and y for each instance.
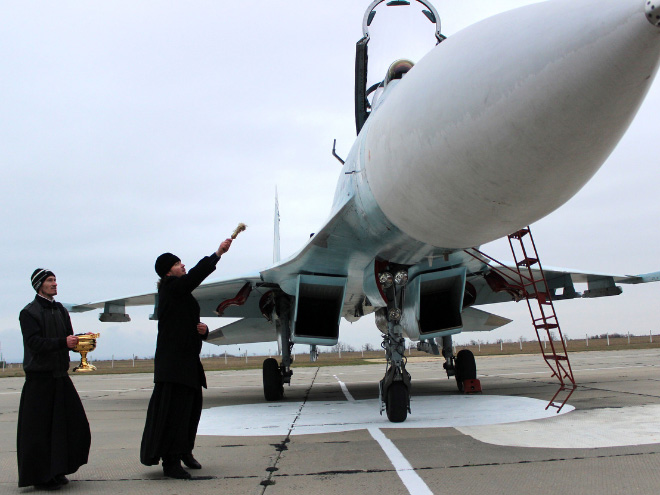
(505, 121)
(653, 12)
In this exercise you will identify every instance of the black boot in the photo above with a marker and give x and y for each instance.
(190, 461)
(172, 469)
(61, 479)
(49, 485)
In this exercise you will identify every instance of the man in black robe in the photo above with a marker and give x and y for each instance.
(53, 435)
(176, 403)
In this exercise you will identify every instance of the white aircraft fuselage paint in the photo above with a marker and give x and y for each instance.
(505, 121)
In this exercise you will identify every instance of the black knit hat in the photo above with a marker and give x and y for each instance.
(38, 277)
(164, 262)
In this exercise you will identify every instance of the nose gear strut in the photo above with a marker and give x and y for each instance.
(394, 388)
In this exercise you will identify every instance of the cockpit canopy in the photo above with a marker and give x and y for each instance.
(362, 105)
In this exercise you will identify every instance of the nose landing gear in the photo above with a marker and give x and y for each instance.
(395, 386)
(395, 394)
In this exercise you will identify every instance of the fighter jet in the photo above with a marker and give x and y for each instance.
(495, 128)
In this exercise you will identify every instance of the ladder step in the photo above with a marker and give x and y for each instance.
(546, 320)
(555, 357)
(519, 234)
(528, 262)
(547, 326)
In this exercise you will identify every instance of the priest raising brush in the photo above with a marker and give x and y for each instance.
(241, 227)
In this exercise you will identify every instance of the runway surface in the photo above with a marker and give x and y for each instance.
(327, 437)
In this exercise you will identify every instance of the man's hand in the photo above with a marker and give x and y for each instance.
(71, 341)
(224, 247)
(202, 328)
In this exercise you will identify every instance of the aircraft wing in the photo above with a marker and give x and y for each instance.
(240, 298)
(585, 277)
(141, 300)
(598, 284)
(561, 282)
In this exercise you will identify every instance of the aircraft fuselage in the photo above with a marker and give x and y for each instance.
(495, 128)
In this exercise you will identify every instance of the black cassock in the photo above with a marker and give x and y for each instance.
(172, 419)
(53, 436)
(53, 432)
(176, 403)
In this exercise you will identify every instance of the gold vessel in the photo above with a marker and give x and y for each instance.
(86, 343)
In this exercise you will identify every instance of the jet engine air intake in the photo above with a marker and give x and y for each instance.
(433, 304)
(318, 306)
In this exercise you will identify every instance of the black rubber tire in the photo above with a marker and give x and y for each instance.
(397, 402)
(465, 367)
(272, 376)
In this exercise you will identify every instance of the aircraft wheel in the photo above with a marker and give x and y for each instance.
(273, 386)
(466, 367)
(397, 402)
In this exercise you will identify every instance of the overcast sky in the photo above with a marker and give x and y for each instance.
(129, 128)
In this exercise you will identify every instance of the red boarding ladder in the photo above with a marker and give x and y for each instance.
(539, 301)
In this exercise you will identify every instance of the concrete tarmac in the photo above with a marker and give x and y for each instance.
(608, 444)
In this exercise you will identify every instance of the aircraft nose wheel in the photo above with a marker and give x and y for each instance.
(273, 382)
(394, 392)
(396, 402)
(466, 368)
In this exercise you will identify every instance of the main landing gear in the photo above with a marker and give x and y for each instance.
(462, 367)
(276, 375)
(465, 370)
(273, 383)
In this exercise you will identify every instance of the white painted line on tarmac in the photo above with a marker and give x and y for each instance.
(411, 480)
(344, 389)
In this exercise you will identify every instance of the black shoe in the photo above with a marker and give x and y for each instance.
(174, 470)
(190, 461)
(61, 479)
(49, 485)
